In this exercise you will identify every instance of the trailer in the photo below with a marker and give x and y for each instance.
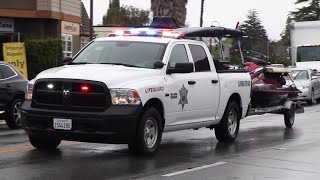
(271, 94)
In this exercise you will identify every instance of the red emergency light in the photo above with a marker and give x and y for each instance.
(84, 88)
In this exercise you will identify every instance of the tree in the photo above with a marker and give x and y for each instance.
(258, 41)
(310, 12)
(285, 35)
(174, 8)
(125, 15)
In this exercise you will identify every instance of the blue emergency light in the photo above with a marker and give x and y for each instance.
(165, 33)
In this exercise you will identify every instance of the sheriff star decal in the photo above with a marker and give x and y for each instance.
(183, 96)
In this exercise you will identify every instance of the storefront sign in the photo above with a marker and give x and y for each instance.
(70, 28)
(6, 25)
(15, 54)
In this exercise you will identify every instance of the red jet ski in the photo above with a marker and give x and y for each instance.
(269, 87)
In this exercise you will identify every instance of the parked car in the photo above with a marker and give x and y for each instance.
(12, 90)
(307, 81)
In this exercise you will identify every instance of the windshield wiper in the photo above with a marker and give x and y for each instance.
(78, 63)
(121, 64)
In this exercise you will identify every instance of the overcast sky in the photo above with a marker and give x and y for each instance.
(273, 13)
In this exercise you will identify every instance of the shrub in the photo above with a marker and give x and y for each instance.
(43, 54)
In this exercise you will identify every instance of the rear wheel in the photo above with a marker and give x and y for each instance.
(228, 128)
(289, 117)
(149, 133)
(44, 142)
(13, 114)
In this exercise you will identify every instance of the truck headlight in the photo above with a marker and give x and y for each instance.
(29, 92)
(125, 97)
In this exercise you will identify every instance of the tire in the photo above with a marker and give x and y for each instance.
(289, 117)
(228, 128)
(45, 143)
(149, 133)
(312, 100)
(13, 115)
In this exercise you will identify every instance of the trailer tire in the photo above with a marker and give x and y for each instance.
(228, 128)
(289, 117)
(149, 133)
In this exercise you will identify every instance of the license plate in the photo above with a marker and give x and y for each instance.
(62, 124)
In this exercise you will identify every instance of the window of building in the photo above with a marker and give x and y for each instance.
(178, 55)
(200, 58)
(7, 72)
(67, 45)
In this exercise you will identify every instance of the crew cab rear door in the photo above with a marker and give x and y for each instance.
(206, 91)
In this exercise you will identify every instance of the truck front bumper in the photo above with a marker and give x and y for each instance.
(115, 125)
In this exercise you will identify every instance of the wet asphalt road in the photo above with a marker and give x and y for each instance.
(265, 149)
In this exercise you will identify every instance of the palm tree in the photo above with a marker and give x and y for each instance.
(174, 8)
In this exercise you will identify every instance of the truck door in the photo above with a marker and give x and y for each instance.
(177, 90)
(205, 93)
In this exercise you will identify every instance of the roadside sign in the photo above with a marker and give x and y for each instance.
(15, 54)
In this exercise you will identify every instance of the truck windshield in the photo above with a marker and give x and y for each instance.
(127, 53)
(308, 53)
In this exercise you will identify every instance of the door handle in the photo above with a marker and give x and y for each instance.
(192, 82)
(8, 85)
(214, 81)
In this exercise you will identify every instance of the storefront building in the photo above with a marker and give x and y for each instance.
(43, 19)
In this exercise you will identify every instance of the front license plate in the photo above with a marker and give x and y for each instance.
(62, 124)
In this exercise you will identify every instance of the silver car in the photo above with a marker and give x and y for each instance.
(308, 83)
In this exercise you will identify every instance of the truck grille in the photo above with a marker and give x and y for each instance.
(67, 95)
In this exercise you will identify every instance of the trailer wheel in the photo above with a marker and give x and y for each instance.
(289, 117)
(228, 128)
(149, 133)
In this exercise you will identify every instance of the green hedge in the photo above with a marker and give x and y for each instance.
(43, 54)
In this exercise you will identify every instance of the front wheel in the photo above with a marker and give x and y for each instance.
(289, 117)
(149, 133)
(312, 100)
(44, 142)
(228, 128)
(13, 114)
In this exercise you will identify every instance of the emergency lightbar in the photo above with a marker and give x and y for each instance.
(165, 33)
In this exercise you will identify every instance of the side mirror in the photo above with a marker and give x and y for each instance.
(158, 64)
(67, 60)
(181, 68)
(314, 78)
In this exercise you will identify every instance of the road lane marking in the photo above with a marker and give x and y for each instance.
(28, 147)
(193, 169)
(16, 149)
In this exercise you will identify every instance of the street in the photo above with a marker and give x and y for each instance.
(265, 149)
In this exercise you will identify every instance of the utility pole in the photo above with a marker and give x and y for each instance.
(201, 15)
(91, 20)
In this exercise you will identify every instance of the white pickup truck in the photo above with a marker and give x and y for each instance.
(130, 89)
